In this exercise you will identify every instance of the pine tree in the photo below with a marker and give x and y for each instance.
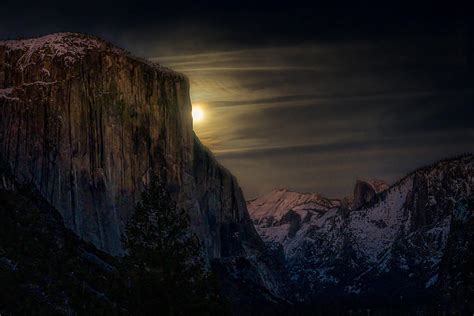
(164, 264)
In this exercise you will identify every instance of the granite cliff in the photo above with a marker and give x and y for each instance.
(87, 125)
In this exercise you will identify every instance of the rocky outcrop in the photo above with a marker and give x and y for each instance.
(398, 249)
(365, 191)
(87, 124)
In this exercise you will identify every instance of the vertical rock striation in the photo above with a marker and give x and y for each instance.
(88, 125)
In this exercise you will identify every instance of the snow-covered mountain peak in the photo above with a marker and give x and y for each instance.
(278, 202)
(279, 215)
(383, 240)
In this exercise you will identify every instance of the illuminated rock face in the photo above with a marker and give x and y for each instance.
(87, 124)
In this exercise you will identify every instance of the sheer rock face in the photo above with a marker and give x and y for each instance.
(365, 190)
(397, 247)
(88, 125)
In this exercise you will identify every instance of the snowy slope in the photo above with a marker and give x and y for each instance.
(280, 213)
(393, 243)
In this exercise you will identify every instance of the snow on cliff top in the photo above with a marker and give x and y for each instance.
(70, 46)
(278, 202)
(60, 43)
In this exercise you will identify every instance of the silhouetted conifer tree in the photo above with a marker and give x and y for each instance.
(164, 264)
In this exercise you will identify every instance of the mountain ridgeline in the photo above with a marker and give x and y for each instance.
(407, 247)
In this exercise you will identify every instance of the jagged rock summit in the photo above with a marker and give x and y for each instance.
(365, 190)
(87, 124)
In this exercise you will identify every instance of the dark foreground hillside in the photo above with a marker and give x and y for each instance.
(46, 269)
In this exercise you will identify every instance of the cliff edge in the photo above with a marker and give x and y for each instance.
(88, 124)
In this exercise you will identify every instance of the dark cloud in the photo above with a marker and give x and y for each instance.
(308, 97)
(381, 107)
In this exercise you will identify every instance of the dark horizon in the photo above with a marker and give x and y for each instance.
(307, 98)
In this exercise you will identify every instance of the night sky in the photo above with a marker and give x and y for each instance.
(304, 97)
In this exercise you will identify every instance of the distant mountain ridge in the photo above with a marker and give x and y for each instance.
(387, 247)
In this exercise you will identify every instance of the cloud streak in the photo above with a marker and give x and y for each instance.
(358, 103)
(306, 97)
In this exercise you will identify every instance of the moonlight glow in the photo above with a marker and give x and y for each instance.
(198, 114)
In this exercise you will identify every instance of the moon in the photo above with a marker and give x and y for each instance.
(198, 114)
